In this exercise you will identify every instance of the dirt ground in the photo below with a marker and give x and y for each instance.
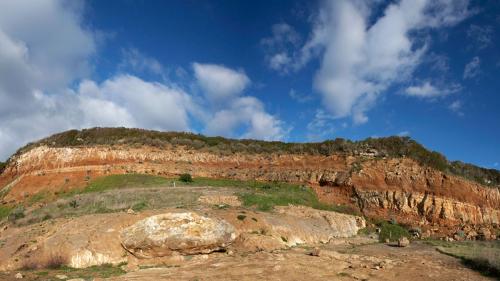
(335, 262)
(358, 258)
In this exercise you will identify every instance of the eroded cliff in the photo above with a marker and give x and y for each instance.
(379, 186)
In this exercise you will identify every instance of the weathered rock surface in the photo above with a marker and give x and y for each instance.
(185, 233)
(399, 186)
(427, 206)
(403, 242)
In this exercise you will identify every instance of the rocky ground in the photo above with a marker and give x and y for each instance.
(210, 235)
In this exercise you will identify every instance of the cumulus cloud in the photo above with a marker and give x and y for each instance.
(249, 112)
(46, 55)
(361, 56)
(220, 83)
(43, 48)
(473, 68)
(129, 101)
(225, 86)
(427, 90)
(280, 47)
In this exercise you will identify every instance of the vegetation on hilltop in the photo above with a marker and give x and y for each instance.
(379, 147)
(2, 166)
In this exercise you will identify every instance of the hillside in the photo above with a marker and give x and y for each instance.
(391, 178)
(84, 203)
(392, 147)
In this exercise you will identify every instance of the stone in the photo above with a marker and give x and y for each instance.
(249, 242)
(186, 233)
(61, 277)
(315, 252)
(130, 211)
(18, 275)
(403, 242)
(76, 279)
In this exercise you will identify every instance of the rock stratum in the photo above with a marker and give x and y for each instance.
(380, 186)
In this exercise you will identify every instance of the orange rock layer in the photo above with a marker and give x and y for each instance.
(386, 187)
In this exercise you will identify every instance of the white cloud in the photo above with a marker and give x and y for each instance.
(43, 48)
(321, 127)
(133, 102)
(456, 107)
(473, 68)
(404, 133)
(427, 90)
(45, 52)
(279, 47)
(299, 97)
(249, 112)
(482, 36)
(279, 61)
(133, 59)
(218, 82)
(361, 56)
(225, 86)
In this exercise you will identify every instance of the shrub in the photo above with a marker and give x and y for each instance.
(392, 232)
(2, 166)
(241, 217)
(17, 213)
(139, 206)
(73, 204)
(186, 178)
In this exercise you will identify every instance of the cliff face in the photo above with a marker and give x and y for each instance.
(380, 187)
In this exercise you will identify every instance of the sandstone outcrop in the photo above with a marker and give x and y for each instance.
(397, 186)
(185, 233)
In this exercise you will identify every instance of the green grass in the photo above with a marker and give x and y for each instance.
(4, 212)
(39, 197)
(122, 181)
(262, 195)
(89, 273)
(109, 194)
(482, 256)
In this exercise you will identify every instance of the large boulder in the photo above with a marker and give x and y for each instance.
(185, 233)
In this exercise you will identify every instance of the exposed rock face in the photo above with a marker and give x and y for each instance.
(430, 207)
(185, 233)
(380, 186)
(338, 225)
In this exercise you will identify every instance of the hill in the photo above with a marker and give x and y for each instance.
(386, 147)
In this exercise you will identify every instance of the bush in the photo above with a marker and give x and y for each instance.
(186, 178)
(392, 232)
(2, 166)
(17, 213)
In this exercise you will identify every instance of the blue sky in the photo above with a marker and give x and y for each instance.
(275, 70)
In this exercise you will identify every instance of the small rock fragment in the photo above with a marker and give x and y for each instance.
(61, 277)
(315, 252)
(18, 275)
(403, 242)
